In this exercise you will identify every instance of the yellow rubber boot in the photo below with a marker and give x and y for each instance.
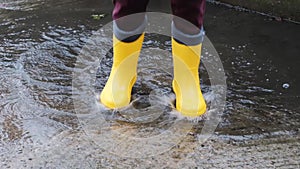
(117, 90)
(186, 83)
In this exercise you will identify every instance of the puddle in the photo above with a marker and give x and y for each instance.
(38, 123)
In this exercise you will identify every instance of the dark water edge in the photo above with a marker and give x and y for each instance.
(282, 10)
(39, 44)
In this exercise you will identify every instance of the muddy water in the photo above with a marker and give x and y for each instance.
(40, 41)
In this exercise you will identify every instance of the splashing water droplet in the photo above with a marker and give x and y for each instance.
(285, 85)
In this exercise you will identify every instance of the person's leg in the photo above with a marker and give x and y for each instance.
(127, 7)
(127, 43)
(191, 11)
(187, 37)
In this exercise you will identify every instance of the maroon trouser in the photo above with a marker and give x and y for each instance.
(190, 10)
